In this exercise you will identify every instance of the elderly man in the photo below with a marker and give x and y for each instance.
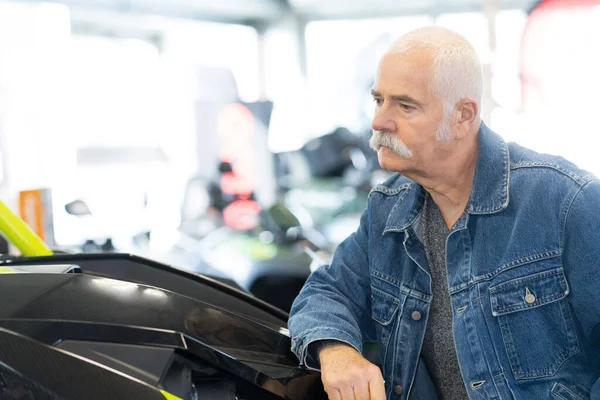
(476, 268)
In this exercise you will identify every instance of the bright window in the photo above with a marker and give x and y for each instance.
(561, 82)
(342, 59)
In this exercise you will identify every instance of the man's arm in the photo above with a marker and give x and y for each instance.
(330, 317)
(334, 303)
(581, 261)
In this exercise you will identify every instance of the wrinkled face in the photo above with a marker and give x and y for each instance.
(407, 116)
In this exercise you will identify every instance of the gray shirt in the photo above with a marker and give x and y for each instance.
(438, 350)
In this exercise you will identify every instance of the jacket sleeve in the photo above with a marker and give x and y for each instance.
(581, 262)
(335, 303)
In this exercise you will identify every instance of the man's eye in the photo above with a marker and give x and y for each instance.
(378, 101)
(407, 107)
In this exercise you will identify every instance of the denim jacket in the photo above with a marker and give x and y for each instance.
(523, 267)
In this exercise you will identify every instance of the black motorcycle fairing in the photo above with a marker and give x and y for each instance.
(55, 308)
(110, 301)
(59, 375)
(138, 269)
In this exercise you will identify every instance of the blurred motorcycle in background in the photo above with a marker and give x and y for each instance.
(269, 252)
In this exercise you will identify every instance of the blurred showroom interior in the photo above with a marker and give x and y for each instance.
(172, 129)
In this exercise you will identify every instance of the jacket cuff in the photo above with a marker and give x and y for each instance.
(300, 344)
(314, 350)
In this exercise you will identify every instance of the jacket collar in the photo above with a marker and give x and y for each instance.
(489, 194)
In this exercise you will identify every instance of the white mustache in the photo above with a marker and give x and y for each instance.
(384, 139)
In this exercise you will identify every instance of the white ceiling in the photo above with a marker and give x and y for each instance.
(253, 11)
(357, 8)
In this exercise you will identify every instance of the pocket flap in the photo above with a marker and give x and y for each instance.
(383, 306)
(562, 392)
(528, 292)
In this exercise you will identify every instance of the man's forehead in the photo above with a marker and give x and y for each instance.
(402, 75)
(409, 63)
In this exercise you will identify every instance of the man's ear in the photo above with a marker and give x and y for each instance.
(465, 116)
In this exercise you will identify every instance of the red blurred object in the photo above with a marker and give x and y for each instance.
(233, 184)
(236, 127)
(242, 214)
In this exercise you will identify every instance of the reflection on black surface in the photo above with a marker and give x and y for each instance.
(15, 386)
(239, 337)
(86, 307)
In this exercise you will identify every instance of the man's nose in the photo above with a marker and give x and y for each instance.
(383, 122)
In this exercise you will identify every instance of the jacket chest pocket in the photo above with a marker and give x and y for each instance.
(536, 323)
(384, 312)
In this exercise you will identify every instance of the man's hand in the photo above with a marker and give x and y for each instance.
(347, 375)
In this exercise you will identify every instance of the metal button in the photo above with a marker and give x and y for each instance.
(398, 390)
(416, 316)
(529, 297)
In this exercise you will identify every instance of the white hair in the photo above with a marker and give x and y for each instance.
(456, 67)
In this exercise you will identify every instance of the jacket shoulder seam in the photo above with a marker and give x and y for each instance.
(566, 210)
(578, 178)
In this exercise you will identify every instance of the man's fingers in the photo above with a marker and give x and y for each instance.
(334, 394)
(347, 392)
(377, 389)
(361, 391)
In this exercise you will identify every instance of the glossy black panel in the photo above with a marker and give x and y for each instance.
(14, 385)
(58, 307)
(53, 332)
(145, 363)
(138, 269)
(81, 297)
(66, 376)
